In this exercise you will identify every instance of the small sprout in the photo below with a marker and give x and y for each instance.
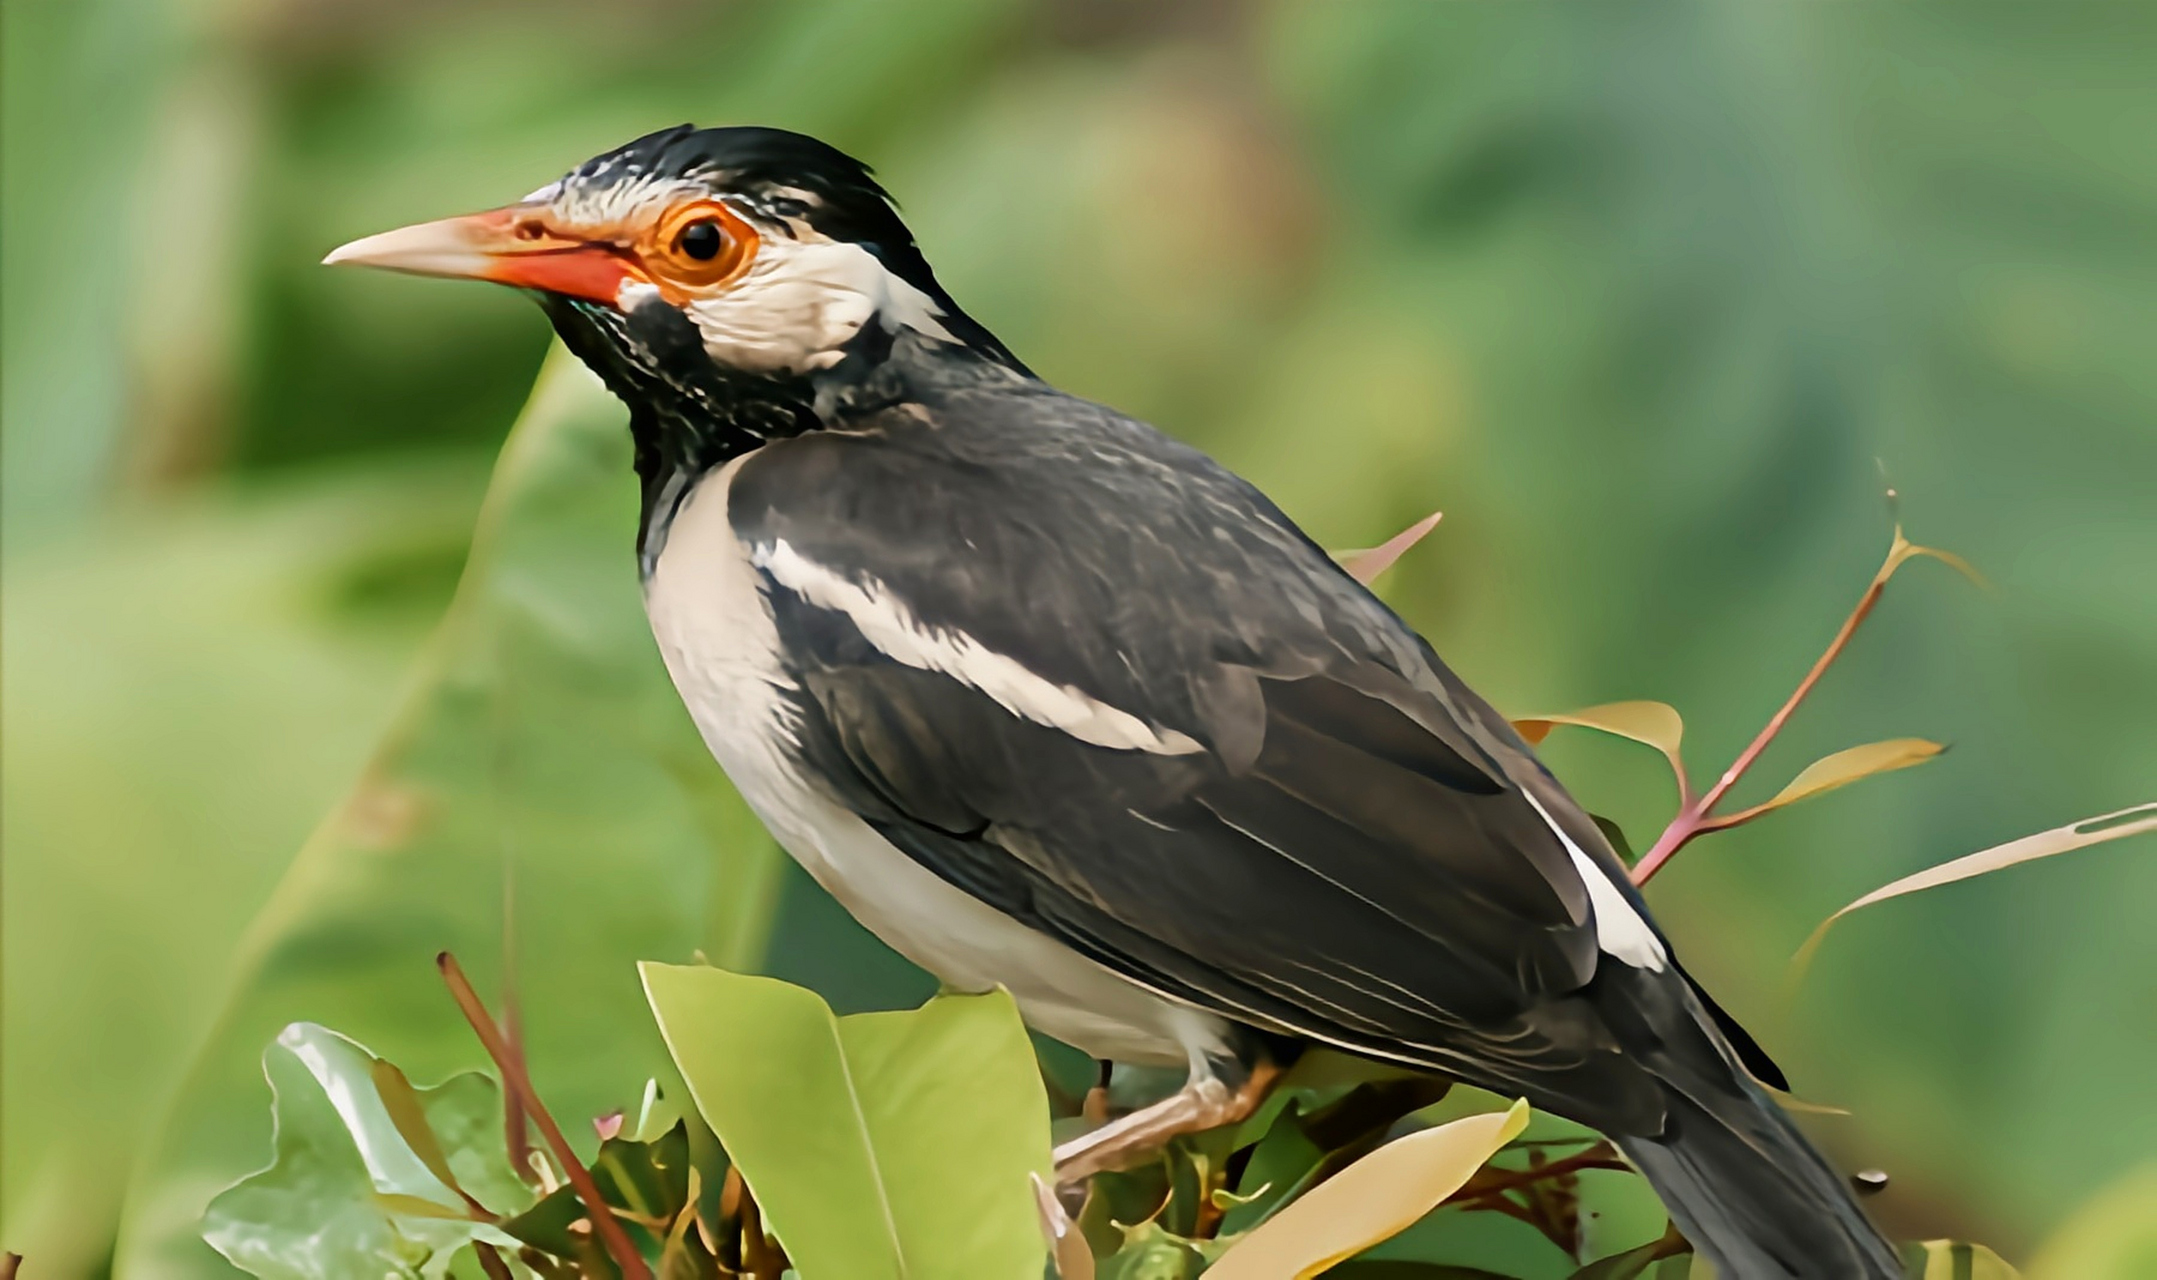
(1869, 1182)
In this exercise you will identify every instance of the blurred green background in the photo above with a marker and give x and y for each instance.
(1647, 297)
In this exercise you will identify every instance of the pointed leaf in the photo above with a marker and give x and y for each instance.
(2045, 844)
(402, 1103)
(1655, 724)
(347, 1195)
(1850, 765)
(878, 1145)
(1371, 1200)
(1068, 1250)
(1635, 1263)
(1365, 566)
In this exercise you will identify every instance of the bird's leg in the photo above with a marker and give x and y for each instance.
(1205, 1102)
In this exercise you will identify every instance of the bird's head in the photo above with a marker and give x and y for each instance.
(721, 271)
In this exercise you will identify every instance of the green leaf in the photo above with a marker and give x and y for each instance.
(349, 1193)
(1326, 1112)
(541, 790)
(878, 1145)
(1634, 1263)
(647, 1179)
(1151, 1253)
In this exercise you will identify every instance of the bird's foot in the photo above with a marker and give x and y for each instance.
(1204, 1103)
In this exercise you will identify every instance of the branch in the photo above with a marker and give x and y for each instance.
(1698, 817)
(516, 1081)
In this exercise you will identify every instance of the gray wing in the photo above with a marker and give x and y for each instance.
(1329, 834)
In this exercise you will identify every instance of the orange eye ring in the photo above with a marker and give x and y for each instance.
(697, 246)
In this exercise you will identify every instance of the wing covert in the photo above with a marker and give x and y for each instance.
(1345, 852)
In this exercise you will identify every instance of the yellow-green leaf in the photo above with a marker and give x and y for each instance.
(1851, 764)
(1957, 1260)
(2075, 835)
(1365, 565)
(881, 1146)
(1371, 1200)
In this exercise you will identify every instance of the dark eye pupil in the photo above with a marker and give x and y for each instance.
(702, 240)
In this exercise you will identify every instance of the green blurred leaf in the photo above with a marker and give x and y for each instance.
(349, 1195)
(188, 686)
(1371, 1200)
(1957, 1260)
(882, 1144)
(541, 791)
(2112, 1237)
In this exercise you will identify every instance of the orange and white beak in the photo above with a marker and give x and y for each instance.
(515, 246)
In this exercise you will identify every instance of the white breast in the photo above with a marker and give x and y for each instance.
(715, 631)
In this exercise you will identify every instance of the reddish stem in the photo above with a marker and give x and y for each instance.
(1698, 817)
(514, 1078)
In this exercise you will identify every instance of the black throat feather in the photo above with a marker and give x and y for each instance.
(687, 413)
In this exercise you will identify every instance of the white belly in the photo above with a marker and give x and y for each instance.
(715, 631)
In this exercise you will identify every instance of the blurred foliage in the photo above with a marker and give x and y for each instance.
(538, 784)
(1644, 295)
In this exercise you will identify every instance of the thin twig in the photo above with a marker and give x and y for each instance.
(1698, 818)
(1489, 1182)
(514, 1078)
(490, 1261)
(516, 1130)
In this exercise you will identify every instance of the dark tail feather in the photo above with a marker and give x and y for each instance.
(1754, 1197)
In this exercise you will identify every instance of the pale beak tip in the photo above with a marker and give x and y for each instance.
(362, 251)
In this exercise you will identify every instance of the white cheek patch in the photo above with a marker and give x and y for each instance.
(802, 300)
(1619, 929)
(889, 625)
(634, 293)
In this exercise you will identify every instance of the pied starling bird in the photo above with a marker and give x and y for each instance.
(1050, 700)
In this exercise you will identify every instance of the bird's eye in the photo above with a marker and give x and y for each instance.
(701, 240)
(694, 247)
